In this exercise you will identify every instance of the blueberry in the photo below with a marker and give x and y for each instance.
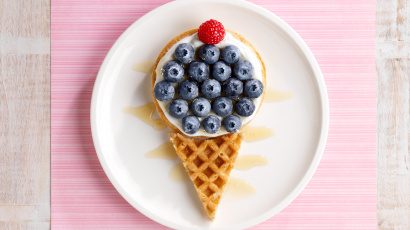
(198, 71)
(222, 106)
(230, 54)
(245, 107)
(221, 71)
(211, 88)
(190, 124)
(173, 71)
(211, 124)
(188, 90)
(164, 91)
(232, 123)
(209, 53)
(201, 107)
(178, 108)
(243, 70)
(253, 88)
(233, 87)
(184, 53)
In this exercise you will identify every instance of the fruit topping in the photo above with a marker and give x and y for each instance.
(201, 107)
(211, 32)
(209, 53)
(222, 106)
(243, 70)
(164, 91)
(211, 88)
(211, 124)
(214, 83)
(221, 71)
(232, 123)
(230, 54)
(190, 124)
(244, 107)
(253, 88)
(178, 108)
(198, 71)
(188, 90)
(173, 71)
(184, 53)
(233, 88)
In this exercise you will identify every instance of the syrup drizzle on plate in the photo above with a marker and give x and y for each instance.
(163, 151)
(276, 95)
(147, 114)
(254, 133)
(144, 66)
(246, 162)
(239, 188)
(177, 173)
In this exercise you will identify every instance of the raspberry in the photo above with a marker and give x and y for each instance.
(211, 32)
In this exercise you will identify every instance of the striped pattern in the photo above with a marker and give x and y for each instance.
(341, 35)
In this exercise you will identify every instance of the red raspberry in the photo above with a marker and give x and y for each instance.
(211, 32)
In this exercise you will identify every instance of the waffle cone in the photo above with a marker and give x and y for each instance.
(208, 163)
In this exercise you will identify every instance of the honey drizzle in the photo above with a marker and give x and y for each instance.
(146, 113)
(177, 172)
(144, 67)
(251, 134)
(276, 96)
(239, 188)
(163, 151)
(247, 162)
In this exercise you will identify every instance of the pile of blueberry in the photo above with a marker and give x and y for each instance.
(211, 80)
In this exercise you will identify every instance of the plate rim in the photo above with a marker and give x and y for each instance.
(318, 77)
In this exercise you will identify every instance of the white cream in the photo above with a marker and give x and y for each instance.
(246, 53)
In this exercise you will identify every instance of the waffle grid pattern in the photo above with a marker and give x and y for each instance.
(208, 163)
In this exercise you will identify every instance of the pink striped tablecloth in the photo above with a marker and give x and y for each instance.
(341, 33)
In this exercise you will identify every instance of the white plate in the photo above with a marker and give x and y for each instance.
(300, 123)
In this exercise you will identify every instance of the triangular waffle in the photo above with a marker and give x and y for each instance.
(208, 163)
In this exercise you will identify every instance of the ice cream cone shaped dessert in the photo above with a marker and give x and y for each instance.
(207, 84)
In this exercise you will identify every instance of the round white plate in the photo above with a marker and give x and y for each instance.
(300, 123)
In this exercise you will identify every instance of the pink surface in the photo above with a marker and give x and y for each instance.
(342, 194)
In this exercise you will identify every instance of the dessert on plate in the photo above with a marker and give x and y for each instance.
(207, 84)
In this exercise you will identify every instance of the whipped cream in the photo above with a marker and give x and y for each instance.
(246, 53)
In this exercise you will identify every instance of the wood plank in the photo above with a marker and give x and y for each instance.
(24, 114)
(393, 67)
(394, 157)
